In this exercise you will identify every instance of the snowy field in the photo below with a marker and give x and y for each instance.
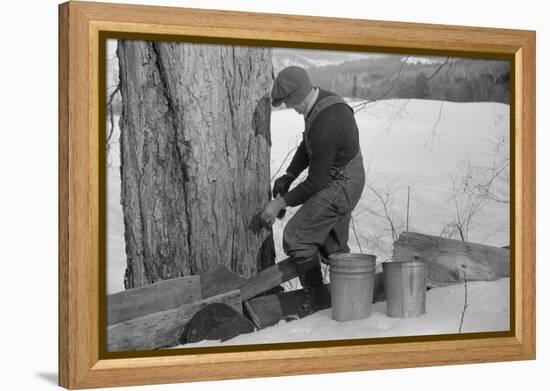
(415, 143)
(487, 311)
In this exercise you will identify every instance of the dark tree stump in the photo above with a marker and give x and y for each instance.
(217, 321)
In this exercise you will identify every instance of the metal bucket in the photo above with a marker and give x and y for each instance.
(351, 285)
(405, 288)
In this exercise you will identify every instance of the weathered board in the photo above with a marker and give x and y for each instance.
(268, 279)
(219, 280)
(448, 260)
(163, 295)
(169, 294)
(162, 329)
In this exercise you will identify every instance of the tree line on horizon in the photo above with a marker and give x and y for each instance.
(388, 77)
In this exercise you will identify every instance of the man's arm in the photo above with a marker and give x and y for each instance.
(325, 142)
(299, 162)
(323, 153)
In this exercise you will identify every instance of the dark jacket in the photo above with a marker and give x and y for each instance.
(334, 141)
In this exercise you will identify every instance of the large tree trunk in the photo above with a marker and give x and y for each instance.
(195, 143)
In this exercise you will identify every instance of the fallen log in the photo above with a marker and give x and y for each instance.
(162, 329)
(163, 295)
(447, 260)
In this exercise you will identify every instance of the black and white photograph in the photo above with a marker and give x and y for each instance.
(264, 195)
(276, 195)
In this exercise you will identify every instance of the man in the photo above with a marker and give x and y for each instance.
(336, 177)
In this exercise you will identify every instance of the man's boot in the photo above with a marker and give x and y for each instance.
(309, 270)
(311, 278)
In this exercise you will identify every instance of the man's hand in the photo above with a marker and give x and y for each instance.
(272, 209)
(282, 184)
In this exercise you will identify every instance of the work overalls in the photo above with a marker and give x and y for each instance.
(321, 225)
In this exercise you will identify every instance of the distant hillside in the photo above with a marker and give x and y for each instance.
(306, 58)
(455, 79)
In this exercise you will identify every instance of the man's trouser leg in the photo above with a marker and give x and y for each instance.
(317, 225)
(321, 226)
(337, 239)
(336, 242)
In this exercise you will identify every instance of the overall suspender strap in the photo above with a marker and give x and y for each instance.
(320, 106)
(323, 104)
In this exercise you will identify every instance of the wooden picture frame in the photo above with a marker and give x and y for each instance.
(81, 24)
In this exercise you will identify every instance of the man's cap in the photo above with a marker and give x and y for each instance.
(291, 86)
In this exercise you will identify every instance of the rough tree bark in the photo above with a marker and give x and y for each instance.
(195, 153)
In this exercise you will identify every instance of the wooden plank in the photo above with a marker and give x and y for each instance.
(161, 296)
(162, 329)
(219, 280)
(448, 259)
(169, 294)
(268, 310)
(268, 278)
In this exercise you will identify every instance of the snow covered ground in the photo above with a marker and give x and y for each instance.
(487, 311)
(415, 143)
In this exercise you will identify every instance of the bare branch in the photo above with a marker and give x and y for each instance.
(429, 144)
(493, 182)
(362, 105)
(385, 202)
(355, 234)
(465, 302)
(438, 69)
(467, 201)
(408, 203)
(397, 115)
(283, 162)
